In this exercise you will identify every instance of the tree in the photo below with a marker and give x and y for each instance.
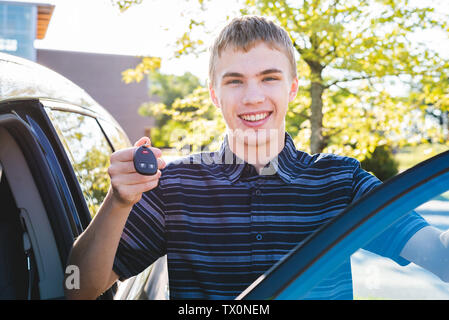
(345, 42)
(350, 53)
(195, 123)
(382, 163)
(431, 96)
(123, 5)
(167, 88)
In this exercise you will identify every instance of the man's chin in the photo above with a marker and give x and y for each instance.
(255, 137)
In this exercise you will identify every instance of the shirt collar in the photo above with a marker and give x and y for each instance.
(284, 164)
(231, 164)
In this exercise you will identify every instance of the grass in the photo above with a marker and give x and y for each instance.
(410, 156)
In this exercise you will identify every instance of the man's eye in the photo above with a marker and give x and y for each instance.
(234, 81)
(269, 79)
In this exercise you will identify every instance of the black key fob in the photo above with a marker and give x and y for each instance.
(144, 161)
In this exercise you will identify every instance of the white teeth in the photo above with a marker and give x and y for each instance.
(255, 117)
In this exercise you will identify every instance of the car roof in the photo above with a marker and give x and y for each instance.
(24, 79)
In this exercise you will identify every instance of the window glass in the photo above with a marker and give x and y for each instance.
(117, 137)
(88, 151)
(376, 277)
(18, 29)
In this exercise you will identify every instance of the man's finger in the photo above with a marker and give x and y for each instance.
(123, 167)
(136, 178)
(123, 155)
(161, 163)
(127, 154)
(157, 152)
(142, 141)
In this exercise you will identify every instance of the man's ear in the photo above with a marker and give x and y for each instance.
(293, 89)
(213, 95)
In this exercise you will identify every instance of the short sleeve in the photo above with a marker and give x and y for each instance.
(143, 239)
(391, 241)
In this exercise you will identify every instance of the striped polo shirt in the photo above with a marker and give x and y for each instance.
(222, 225)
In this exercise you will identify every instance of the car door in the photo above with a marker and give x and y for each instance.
(418, 188)
(89, 139)
(44, 198)
(36, 218)
(87, 148)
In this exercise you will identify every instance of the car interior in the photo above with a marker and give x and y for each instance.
(30, 265)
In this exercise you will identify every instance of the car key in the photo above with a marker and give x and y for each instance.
(144, 161)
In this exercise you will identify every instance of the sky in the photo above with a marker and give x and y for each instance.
(144, 29)
(149, 28)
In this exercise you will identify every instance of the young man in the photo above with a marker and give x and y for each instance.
(223, 223)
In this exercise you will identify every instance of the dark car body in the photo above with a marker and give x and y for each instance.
(55, 143)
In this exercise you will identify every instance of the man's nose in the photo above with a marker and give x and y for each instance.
(253, 95)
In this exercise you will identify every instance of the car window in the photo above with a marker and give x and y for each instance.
(376, 277)
(88, 151)
(116, 136)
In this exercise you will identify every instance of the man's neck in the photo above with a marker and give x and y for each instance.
(258, 154)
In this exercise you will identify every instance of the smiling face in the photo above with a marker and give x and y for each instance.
(253, 90)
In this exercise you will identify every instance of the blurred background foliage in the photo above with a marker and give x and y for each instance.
(369, 85)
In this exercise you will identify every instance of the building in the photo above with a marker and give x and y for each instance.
(20, 24)
(98, 74)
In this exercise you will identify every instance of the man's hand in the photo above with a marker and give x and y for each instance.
(127, 185)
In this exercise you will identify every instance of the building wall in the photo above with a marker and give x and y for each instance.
(100, 76)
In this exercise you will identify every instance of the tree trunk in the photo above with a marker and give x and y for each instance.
(316, 119)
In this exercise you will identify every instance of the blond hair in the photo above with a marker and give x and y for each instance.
(243, 33)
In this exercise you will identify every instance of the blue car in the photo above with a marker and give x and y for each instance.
(311, 261)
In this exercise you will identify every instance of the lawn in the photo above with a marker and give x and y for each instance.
(410, 156)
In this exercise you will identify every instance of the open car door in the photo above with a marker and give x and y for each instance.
(311, 261)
